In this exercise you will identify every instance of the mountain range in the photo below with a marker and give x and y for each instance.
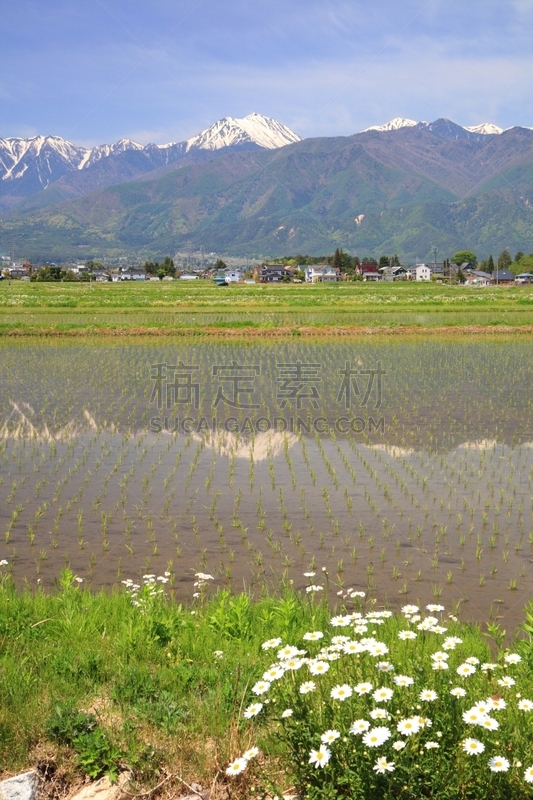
(253, 186)
(27, 166)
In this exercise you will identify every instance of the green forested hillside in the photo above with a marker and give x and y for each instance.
(405, 193)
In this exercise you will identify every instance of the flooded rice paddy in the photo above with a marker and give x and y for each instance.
(398, 467)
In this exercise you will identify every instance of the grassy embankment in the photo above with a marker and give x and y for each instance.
(204, 309)
(95, 683)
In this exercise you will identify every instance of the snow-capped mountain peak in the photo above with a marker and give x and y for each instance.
(485, 128)
(254, 129)
(394, 125)
(105, 150)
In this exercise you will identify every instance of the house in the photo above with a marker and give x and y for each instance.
(524, 277)
(397, 273)
(421, 272)
(475, 277)
(371, 275)
(502, 277)
(233, 276)
(133, 274)
(321, 273)
(272, 273)
(436, 267)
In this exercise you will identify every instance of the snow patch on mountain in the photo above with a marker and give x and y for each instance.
(394, 125)
(486, 128)
(253, 129)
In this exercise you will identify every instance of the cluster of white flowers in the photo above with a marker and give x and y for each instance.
(202, 580)
(384, 723)
(143, 595)
(240, 764)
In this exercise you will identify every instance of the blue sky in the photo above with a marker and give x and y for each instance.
(94, 71)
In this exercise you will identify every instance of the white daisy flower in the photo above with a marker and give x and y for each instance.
(273, 674)
(464, 670)
(261, 687)
(399, 745)
(488, 666)
(384, 666)
(380, 713)
(528, 775)
(308, 686)
(313, 636)
(289, 651)
(506, 682)
(472, 660)
(287, 713)
(351, 648)
(360, 726)
(440, 656)
(431, 745)
(340, 640)
(382, 695)
(320, 757)
(271, 643)
(329, 736)
(292, 664)
(309, 574)
(318, 667)
(525, 705)
(498, 764)
(253, 710)
(512, 658)
(497, 703)
(360, 629)
(341, 692)
(473, 747)
(489, 724)
(434, 608)
(428, 695)
(378, 649)
(403, 680)
(409, 609)
(405, 635)
(382, 766)
(458, 691)
(409, 726)
(375, 737)
(340, 622)
(251, 753)
(314, 588)
(439, 666)
(451, 642)
(237, 766)
(363, 688)
(473, 717)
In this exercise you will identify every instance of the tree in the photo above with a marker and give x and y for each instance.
(460, 276)
(168, 266)
(490, 264)
(504, 259)
(384, 261)
(519, 256)
(337, 260)
(395, 261)
(465, 257)
(219, 264)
